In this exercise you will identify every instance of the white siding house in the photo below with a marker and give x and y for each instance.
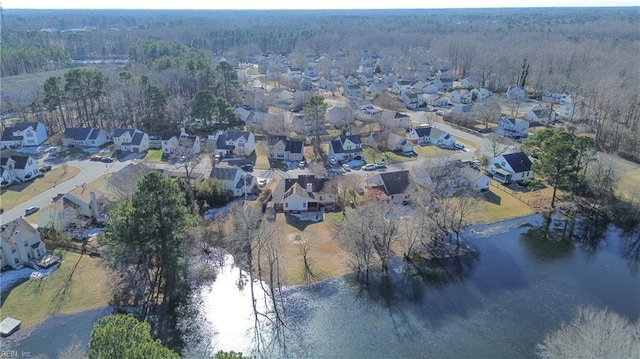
(513, 127)
(24, 134)
(510, 167)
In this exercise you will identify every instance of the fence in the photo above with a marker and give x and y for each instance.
(509, 191)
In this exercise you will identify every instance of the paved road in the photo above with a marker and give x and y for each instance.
(89, 171)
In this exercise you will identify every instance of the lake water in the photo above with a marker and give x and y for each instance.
(499, 304)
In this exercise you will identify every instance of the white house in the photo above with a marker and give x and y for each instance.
(352, 92)
(305, 193)
(480, 94)
(24, 134)
(5, 177)
(556, 98)
(510, 167)
(234, 143)
(460, 96)
(19, 166)
(432, 135)
(171, 142)
(396, 142)
(84, 137)
(476, 180)
(21, 244)
(339, 116)
(541, 115)
(462, 83)
(345, 147)
(515, 93)
(513, 127)
(411, 99)
(401, 86)
(393, 119)
(130, 140)
(436, 100)
(237, 181)
(282, 148)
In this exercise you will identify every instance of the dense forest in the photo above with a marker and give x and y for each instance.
(172, 55)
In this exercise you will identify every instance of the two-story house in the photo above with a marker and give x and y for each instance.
(23, 134)
(392, 186)
(428, 134)
(541, 115)
(283, 148)
(130, 140)
(234, 143)
(238, 182)
(173, 140)
(18, 166)
(84, 137)
(510, 167)
(513, 127)
(20, 244)
(352, 92)
(480, 94)
(516, 93)
(345, 147)
(460, 96)
(305, 193)
(411, 99)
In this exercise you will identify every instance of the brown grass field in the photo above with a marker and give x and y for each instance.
(20, 193)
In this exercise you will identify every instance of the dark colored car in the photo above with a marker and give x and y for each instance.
(46, 168)
(107, 159)
(31, 210)
(247, 167)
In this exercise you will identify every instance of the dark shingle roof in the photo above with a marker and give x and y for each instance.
(137, 139)
(395, 182)
(337, 146)
(224, 173)
(121, 131)
(353, 138)
(400, 115)
(273, 139)
(221, 143)
(423, 131)
(167, 135)
(7, 135)
(519, 161)
(235, 135)
(21, 126)
(21, 161)
(94, 133)
(77, 133)
(317, 184)
(294, 146)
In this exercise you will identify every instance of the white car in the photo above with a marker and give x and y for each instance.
(369, 167)
(346, 167)
(262, 182)
(333, 161)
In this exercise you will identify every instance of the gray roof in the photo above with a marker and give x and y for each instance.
(21, 161)
(21, 126)
(221, 143)
(137, 139)
(235, 135)
(395, 182)
(423, 131)
(7, 135)
(224, 173)
(518, 161)
(317, 184)
(77, 133)
(121, 131)
(17, 225)
(167, 135)
(294, 146)
(94, 133)
(274, 139)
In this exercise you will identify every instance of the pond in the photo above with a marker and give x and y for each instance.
(498, 303)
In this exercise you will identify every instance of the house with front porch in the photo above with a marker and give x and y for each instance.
(510, 167)
(283, 148)
(18, 166)
(430, 135)
(130, 140)
(237, 181)
(234, 143)
(20, 244)
(304, 193)
(23, 134)
(173, 140)
(345, 147)
(513, 127)
(84, 137)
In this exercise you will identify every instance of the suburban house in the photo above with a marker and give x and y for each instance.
(19, 166)
(5, 177)
(394, 185)
(574, 110)
(234, 143)
(254, 97)
(305, 193)
(84, 137)
(476, 180)
(401, 86)
(480, 94)
(436, 100)
(411, 99)
(79, 206)
(326, 85)
(515, 93)
(462, 83)
(541, 115)
(392, 119)
(23, 134)
(345, 147)
(171, 142)
(377, 87)
(238, 181)
(387, 140)
(250, 116)
(352, 92)
(429, 134)
(340, 116)
(510, 167)
(280, 97)
(513, 127)
(282, 148)
(460, 96)
(20, 244)
(556, 98)
(130, 140)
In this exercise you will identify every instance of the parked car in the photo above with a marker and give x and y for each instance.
(302, 164)
(369, 167)
(333, 161)
(346, 167)
(381, 165)
(262, 182)
(46, 168)
(108, 159)
(95, 158)
(31, 210)
(458, 146)
(247, 167)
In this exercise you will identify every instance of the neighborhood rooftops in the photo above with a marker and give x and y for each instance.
(224, 173)
(395, 182)
(78, 133)
(294, 146)
(7, 135)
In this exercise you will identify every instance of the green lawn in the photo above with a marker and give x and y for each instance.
(372, 156)
(16, 194)
(496, 205)
(430, 151)
(81, 283)
(153, 156)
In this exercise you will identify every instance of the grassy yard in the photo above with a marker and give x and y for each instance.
(430, 151)
(16, 194)
(371, 156)
(629, 183)
(262, 157)
(81, 283)
(496, 205)
(153, 156)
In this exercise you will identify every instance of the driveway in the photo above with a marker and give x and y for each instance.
(89, 171)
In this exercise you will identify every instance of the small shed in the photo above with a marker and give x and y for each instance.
(8, 326)
(271, 211)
